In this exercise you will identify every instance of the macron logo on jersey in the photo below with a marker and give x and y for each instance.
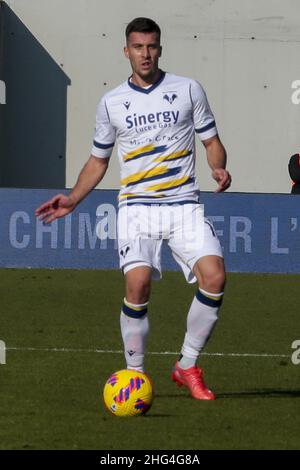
(134, 120)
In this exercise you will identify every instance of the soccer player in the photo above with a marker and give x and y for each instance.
(154, 117)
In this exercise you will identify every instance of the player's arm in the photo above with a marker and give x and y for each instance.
(217, 158)
(60, 205)
(205, 127)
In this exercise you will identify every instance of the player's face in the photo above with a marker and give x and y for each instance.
(143, 50)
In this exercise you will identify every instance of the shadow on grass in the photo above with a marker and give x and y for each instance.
(172, 395)
(263, 393)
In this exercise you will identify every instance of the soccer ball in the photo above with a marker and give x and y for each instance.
(128, 393)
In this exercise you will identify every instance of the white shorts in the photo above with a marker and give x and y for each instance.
(142, 230)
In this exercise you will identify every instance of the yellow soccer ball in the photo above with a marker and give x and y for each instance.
(128, 393)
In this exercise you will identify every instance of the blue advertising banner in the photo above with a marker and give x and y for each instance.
(258, 232)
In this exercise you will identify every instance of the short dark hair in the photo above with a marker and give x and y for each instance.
(142, 25)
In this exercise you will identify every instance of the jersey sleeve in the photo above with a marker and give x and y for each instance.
(105, 134)
(204, 121)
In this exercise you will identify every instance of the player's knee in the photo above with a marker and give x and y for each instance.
(138, 285)
(138, 292)
(210, 273)
(213, 281)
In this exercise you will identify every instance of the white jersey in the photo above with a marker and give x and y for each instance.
(155, 129)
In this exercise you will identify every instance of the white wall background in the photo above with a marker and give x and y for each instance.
(245, 53)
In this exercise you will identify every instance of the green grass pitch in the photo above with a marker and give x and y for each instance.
(55, 323)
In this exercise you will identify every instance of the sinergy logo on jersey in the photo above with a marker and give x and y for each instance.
(162, 117)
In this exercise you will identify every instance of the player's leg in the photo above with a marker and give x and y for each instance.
(134, 315)
(140, 262)
(138, 284)
(203, 313)
(201, 261)
(201, 320)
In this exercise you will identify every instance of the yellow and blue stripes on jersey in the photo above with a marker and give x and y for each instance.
(155, 173)
(171, 184)
(174, 156)
(134, 311)
(138, 195)
(143, 152)
(149, 175)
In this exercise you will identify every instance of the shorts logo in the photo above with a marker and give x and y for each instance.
(124, 252)
(170, 97)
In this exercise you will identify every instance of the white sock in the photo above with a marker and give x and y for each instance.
(201, 321)
(134, 328)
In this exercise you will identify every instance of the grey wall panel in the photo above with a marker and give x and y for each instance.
(33, 119)
(244, 53)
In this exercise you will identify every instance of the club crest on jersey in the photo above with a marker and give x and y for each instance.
(127, 104)
(170, 97)
(124, 251)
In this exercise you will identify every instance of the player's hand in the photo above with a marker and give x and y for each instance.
(223, 178)
(59, 206)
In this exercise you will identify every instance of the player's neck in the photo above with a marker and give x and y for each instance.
(147, 81)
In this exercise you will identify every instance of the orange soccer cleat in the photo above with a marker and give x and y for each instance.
(192, 378)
